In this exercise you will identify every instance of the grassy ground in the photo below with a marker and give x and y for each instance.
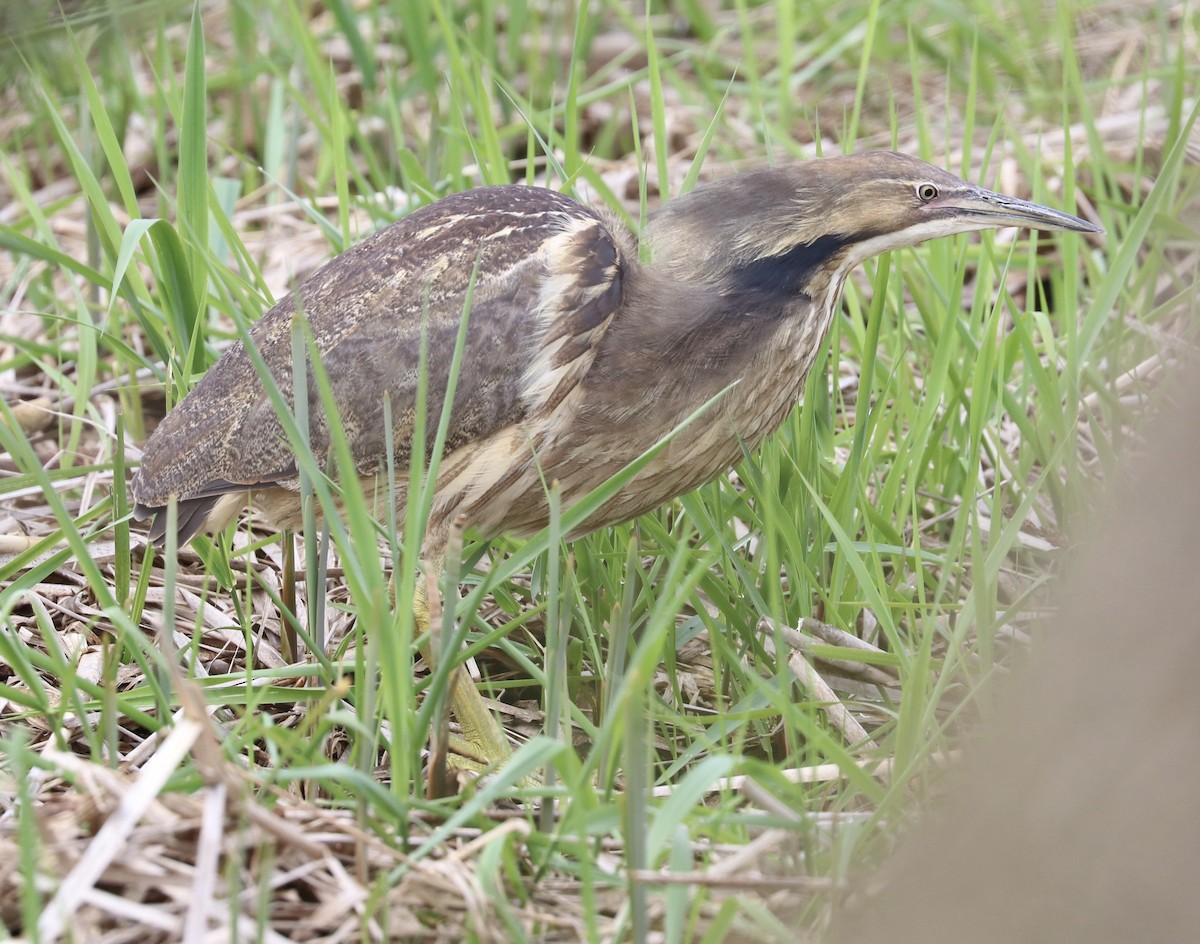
(760, 680)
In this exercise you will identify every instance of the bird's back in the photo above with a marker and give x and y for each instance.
(366, 311)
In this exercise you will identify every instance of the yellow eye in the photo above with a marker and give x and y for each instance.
(926, 192)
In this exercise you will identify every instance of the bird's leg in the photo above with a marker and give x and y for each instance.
(427, 618)
(482, 742)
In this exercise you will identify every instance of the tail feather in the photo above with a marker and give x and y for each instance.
(190, 520)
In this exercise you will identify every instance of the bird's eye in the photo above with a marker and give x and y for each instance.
(926, 192)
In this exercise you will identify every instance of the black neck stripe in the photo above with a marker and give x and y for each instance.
(788, 274)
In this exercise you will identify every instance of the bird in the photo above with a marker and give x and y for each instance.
(578, 358)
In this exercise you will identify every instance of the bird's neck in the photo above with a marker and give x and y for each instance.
(798, 271)
(690, 341)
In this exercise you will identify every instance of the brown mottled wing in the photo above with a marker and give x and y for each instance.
(548, 280)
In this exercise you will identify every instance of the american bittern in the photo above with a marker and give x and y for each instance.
(578, 358)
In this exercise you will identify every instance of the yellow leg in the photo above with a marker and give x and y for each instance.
(482, 743)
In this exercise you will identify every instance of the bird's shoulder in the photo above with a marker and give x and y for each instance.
(422, 268)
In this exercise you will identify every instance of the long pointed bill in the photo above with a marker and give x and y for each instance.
(983, 209)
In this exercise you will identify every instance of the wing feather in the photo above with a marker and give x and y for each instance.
(547, 281)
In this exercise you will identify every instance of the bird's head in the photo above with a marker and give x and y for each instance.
(831, 214)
